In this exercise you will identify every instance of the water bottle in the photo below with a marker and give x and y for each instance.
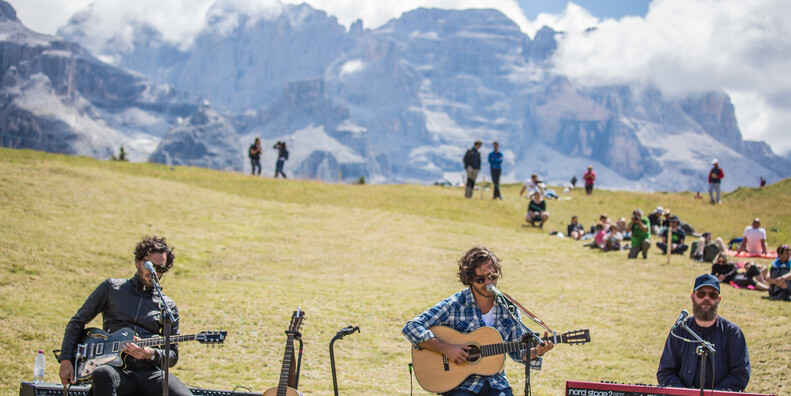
(38, 368)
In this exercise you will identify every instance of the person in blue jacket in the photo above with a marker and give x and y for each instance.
(496, 165)
(728, 369)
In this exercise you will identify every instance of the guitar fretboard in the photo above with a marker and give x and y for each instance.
(282, 387)
(161, 340)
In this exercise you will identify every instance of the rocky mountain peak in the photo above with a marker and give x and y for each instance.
(7, 12)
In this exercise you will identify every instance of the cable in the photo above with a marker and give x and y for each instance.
(410, 379)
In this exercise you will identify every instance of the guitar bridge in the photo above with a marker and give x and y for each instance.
(445, 363)
(81, 349)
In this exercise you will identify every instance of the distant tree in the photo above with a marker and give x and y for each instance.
(361, 180)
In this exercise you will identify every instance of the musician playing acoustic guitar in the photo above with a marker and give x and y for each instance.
(466, 311)
(128, 303)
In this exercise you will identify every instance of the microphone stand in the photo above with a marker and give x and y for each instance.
(530, 338)
(167, 320)
(339, 335)
(703, 350)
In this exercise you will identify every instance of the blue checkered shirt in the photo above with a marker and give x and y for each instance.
(461, 312)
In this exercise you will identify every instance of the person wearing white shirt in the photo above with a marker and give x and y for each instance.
(754, 239)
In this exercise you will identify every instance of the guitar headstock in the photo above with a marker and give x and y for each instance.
(211, 337)
(296, 321)
(580, 336)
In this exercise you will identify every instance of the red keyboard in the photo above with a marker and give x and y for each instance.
(582, 388)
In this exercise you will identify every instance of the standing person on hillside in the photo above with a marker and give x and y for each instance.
(590, 177)
(763, 182)
(673, 237)
(639, 226)
(728, 369)
(715, 177)
(472, 163)
(573, 182)
(129, 303)
(754, 239)
(282, 156)
(496, 163)
(469, 310)
(255, 156)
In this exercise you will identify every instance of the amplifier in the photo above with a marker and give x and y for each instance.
(31, 389)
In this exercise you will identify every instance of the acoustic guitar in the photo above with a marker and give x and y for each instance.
(486, 356)
(282, 389)
(97, 348)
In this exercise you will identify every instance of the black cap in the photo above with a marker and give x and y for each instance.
(707, 280)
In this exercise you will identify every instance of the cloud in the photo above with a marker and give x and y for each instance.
(690, 46)
(680, 46)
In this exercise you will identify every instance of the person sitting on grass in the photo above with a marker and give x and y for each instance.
(575, 230)
(537, 209)
(599, 237)
(754, 239)
(676, 241)
(753, 277)
(655, 219)
(779, 279)
(640, 234)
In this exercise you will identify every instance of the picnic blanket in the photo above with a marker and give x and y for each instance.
(768, 255)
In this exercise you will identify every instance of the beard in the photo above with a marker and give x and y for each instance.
(703, 314)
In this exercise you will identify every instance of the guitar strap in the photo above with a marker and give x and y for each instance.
(528, 313)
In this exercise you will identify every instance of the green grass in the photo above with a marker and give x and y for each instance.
(250, 250)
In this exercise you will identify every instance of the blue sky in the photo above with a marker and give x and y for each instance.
(599, 8)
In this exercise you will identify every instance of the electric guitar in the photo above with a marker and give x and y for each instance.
(282, 389)
(97, 348)
(486, 356)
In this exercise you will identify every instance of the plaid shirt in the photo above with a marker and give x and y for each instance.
(461, 312)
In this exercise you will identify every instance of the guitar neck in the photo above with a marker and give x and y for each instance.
(282, 387)
(508, 347)
(161, 340)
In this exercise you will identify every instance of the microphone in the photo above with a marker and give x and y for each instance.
(493, 290)
(150, 267)
(348, 330)
(683, 315)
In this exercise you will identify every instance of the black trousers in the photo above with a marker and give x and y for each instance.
(113, 381)
(496, 181)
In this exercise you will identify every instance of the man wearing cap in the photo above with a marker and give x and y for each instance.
(677, 236)
(754, 239)
(728, 369)
(655, 219)
(715, 176)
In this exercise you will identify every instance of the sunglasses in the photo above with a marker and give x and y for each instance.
(701, 294)
(161, 268)
(492, 277)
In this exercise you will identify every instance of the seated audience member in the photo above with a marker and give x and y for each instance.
(677, 237)
(620, 226)
(614, 239)
(779, 279)
(723, 269)
(754, 239)
(655, 219)
(753, 275)
(537, 209)
(599, 237)
(704, 249)
(575, 229)
(638, 227)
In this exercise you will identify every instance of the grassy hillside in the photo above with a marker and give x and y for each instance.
(250, 250)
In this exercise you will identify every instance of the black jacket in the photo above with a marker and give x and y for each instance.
(472, 158)
(122, 303)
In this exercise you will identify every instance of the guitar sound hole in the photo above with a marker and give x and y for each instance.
(474, 353)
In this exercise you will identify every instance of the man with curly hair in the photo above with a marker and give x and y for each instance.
(470, 309)
(129, 303)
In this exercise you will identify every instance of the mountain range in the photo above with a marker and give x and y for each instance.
(400, 103)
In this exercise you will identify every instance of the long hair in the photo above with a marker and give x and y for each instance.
(474, 258)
